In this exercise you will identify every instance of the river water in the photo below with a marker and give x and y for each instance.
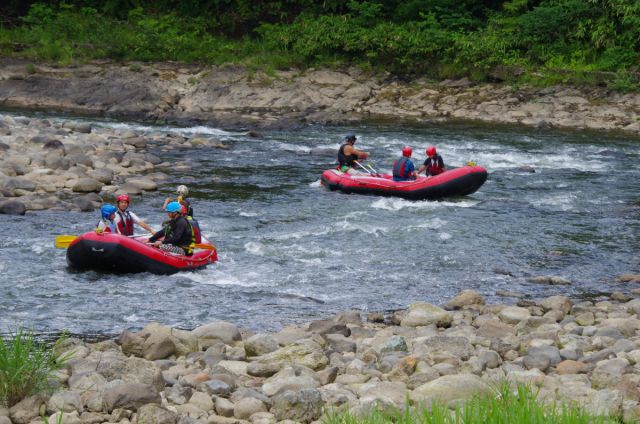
(291, 251)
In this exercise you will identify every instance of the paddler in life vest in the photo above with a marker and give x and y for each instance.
(125, 219)
(403, 168)
(177, 234)
(434, 164)
(194, 223)
(106, 223)
(347, 155)
(182, 191)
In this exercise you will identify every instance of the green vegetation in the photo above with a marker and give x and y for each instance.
(593, 42)
(506, 407)
(26, 365)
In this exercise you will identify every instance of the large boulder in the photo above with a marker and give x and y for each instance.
(224, 331)
(303, 406)
(12, 207)
(451, 389)
(465, 298)
(87, 185)
(423, 314)
(130, 396)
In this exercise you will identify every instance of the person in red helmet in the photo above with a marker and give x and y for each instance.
(434, 164)
(125, 219)
(403, 168)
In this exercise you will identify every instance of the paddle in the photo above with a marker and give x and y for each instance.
(360, 165)
(62, 242)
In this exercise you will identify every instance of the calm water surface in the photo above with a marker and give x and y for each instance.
(291, 251)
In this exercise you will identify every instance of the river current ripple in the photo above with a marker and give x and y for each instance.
(291, 251)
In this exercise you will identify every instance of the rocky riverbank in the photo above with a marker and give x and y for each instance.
(582, 353)
(233, 97)
(70, 165)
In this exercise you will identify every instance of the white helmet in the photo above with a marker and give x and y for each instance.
(182, 190)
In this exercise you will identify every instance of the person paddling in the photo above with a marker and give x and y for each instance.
(348, 155)
(433, 165)
(125, 219)
(403, 168)
(107, 223)
(177, 234)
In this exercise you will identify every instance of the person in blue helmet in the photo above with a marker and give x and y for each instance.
(403, 167)
(107, 222)
(177, 235)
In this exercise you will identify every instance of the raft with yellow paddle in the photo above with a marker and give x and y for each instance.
(121, 254)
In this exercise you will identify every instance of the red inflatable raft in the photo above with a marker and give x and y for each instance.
(455, 182)
(117, 253)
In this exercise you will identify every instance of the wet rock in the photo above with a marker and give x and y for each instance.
(465, 298)
(549, 280)
(12, 207)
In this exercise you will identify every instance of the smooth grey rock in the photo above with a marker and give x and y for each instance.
(465, 298)
(423, 314)
(12, 207)
(130, 396)
(328, 326)
(155, 414)
(302, 406)
(86, 185)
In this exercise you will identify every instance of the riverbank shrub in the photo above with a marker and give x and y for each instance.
(434, 38)
(507, 406)
(27, 365)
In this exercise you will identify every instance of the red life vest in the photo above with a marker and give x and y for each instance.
(434, 165)
(125, 224)
(400, 167)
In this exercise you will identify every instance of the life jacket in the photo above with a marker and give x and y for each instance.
(196, 229)
(400, 168)
(434, 165)
(125, 225)
(346, 159)
(188, 240)
(109, 228)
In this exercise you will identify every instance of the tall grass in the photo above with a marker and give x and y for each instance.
(27, 365)
(506, 407)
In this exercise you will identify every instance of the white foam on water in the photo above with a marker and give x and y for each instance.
(368, 229)
(315, 261)
(445, 236)
(298, 234)
(291, 147)
(315, 184)
(132, 318)
(248, 214)
(199, 129)
(255, 248)
(396, 204)
(433, 224)
(561, 201)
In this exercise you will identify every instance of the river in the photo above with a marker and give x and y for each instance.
(291, 251)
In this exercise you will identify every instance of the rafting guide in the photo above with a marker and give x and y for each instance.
(349, 155)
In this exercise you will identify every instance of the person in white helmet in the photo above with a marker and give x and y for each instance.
(182, 191)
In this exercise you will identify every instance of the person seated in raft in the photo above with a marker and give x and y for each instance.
(125, 219)
(177, 234)
(347, 155)
(434, 164)
(403, 168)
(194, 223)
(107, 222)
(182, 191)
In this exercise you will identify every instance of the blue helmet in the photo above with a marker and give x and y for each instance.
(174, 207)
(107, 211)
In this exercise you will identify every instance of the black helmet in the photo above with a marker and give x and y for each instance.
(350, 137)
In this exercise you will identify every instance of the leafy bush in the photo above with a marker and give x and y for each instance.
(26, 365)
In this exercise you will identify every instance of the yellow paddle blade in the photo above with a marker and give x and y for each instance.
(471, 163)
(62, 242)
(204, 246)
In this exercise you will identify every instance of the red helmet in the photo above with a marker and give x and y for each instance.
(123, 197)
(406, 151)
(431, 151)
